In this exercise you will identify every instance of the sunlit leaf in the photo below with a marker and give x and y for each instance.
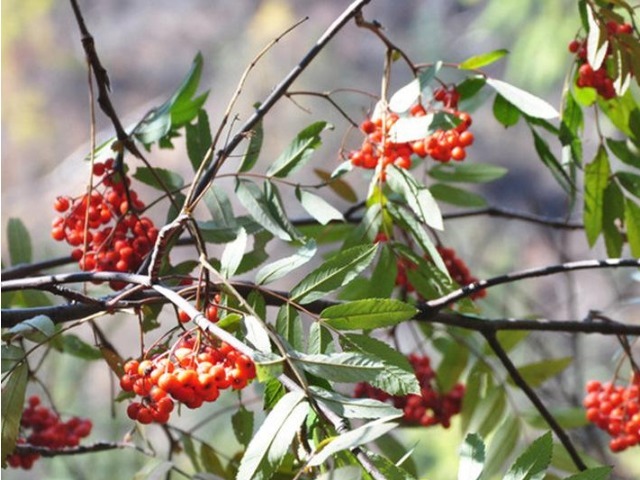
(367, 314)
(299, 150)
(472, 456)
(280, 268)
(334, 273)
(350, 407)
(354, 438)
(232, 254)
(524, 101)
(318, 207)
(482, 60)
(273, 439)
(417, 197)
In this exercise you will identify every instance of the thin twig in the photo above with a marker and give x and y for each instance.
(533, 397)
(467, 290)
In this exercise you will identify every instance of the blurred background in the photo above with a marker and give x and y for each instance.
(147, 48)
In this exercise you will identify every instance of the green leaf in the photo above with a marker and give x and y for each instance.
(568, 417)
(19, 242)
(178, 110)
(242, 422)
(467, 172)
(418, 233)
(349, 407)
(159, 178)
(596, 177)
(37, 329)
(623, 150)
(488, 413)
(232, 254)
(536, 373)
(273, 392)
(367, 314)
(456, 196)
(630, 182)
(210, 460)
(256, 136)
(289, 326)
(417, 197)
(299, 150)
(470, 86)
(220, 207)
(344, 367)
(339, 187)
(257, 334)
(452, 364)
(482, 60)
(318, 207)
(74, 345)
(280, 268)
(472, 456)
(551, 162)
(612, 217)
(505, 112)
(354, 438)
(13, 395)
(523, 101)
(398, 377)
(502, 444)
(11, 355)
(320, 339)
(267, 448)
(190, 449)
(350, 472)
(256, 203)
(532, 464)
(632, 221)
(597, 473)
(198, 139)
(390, 470)
(334, 273)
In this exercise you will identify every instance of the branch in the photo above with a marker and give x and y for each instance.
(102, 81)
(482, 325)
(531, 394)
(278, 92)
(467, 290)
(80, 449)
(512, 214)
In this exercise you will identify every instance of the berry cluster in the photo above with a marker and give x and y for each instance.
(616, 410)
(116, 238)
(445, 145)
(377, 146)
(191, 373)
(456, 267)
(598, 79)
(459, 271)
(441, 145)
(430, 407)
(41, 427)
